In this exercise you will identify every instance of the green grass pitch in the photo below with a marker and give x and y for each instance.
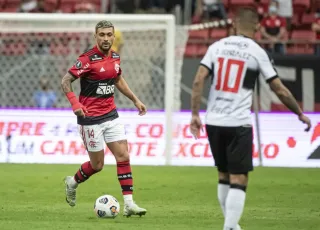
(32, 198)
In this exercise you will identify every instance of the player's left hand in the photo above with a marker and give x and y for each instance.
(304, 119)
(195, 126)
(141, 107)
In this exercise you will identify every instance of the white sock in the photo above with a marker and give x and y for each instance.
(223, 189)
(73, 183)
(234, 207)
(128, 199)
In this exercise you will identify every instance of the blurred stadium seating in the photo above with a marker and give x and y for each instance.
(300, 38)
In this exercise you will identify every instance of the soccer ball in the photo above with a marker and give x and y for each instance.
(106, 206)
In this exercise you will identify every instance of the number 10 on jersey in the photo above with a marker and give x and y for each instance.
(222, 83)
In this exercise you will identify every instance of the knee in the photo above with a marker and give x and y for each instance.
(223, 176)
(124, 156)
(240, 179)
(97, 166)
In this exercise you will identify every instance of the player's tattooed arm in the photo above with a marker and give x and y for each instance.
(285, 96)
(66, 83)
(197, 89)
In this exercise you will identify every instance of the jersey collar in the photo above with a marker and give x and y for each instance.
(102, 54)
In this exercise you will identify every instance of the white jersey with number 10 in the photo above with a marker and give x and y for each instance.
(235, 63)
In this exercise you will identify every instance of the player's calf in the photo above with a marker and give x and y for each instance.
(126, 182)
(85, 172)
(121, 154)
(235, 200)
(91, 167)
(223, 189)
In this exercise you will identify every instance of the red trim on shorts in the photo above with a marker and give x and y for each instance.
(83, 135)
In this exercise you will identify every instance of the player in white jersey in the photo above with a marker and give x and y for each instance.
(234, 63)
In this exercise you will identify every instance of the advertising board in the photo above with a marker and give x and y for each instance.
(51, 136)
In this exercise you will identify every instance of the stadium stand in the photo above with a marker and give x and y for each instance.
(299, 40)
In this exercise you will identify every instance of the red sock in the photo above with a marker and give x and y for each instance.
(125, 177)
(84, 172)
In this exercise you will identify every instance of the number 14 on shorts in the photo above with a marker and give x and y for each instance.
(90, 133)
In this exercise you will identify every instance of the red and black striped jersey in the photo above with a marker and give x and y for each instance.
(97, 73)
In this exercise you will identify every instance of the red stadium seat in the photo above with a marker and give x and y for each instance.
(12, 2)
(303, 39)
(308, 19)
(11, 6)
(303, 35)
(301, 3)
(2, 3)
(51, 5)
(195, 50)
(300, 6)
(9, 10)
(300, 50)
(67, 6)
(68, 2)
(265, 2)
(202, 34)
(315, 5)
(296, 20)
(218, 33)
(237, 3)
(191, 50)
(201, 50)
(96, 2)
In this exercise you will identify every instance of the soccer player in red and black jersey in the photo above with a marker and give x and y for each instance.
(100, 72)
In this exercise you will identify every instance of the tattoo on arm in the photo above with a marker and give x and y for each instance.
(289, 101)
(66, 83)
(197, 89)
(196, 97)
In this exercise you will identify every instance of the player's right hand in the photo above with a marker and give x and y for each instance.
(195, 126)
(305, 120)
(79, 109)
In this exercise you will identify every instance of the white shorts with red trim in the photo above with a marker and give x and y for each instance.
(95, 137)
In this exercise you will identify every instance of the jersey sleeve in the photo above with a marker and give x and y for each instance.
(207, 60)
(119, 71)
(266, 66)
(81, 67)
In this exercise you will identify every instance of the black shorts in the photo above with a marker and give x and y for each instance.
(231, 148)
